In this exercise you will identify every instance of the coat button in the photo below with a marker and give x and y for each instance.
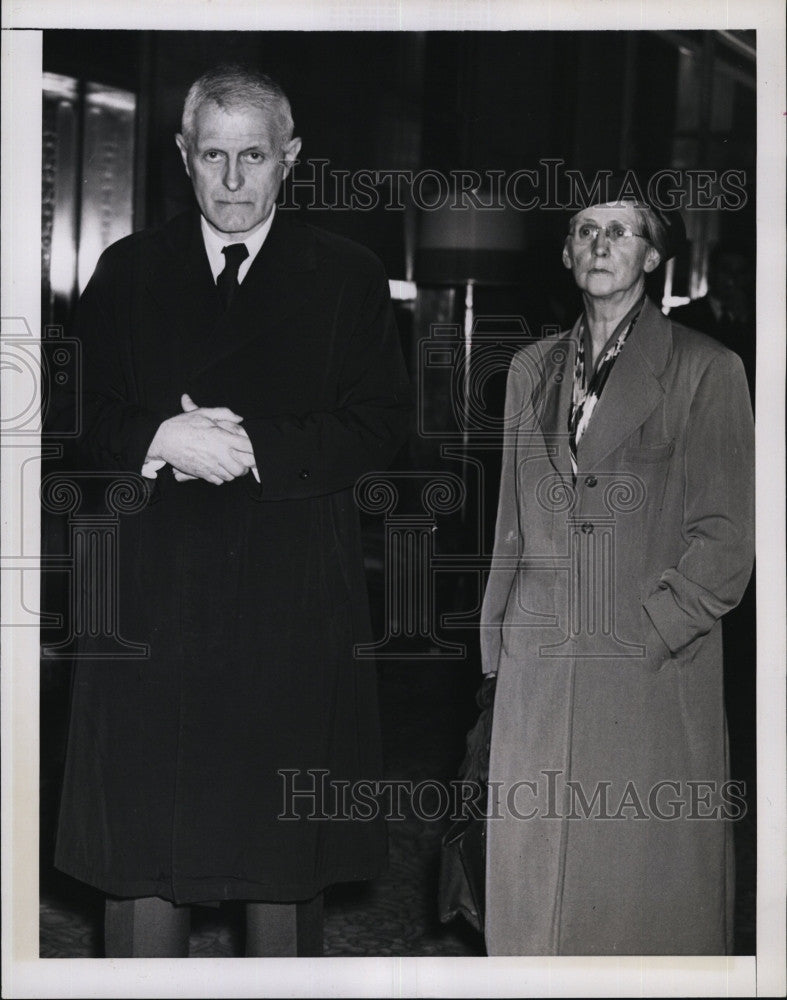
(304, 473)
(587, 528)
(591, 481)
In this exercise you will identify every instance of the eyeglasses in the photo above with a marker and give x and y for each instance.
(615, 232)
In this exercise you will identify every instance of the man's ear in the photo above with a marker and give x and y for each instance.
(566, 258)
(180, 142)
(290, 152)
(652, 259)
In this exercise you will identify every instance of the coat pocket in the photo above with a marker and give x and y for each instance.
(649, 454)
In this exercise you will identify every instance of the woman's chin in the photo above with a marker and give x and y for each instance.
(599, 283)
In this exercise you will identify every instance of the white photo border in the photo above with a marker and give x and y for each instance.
(24, 974)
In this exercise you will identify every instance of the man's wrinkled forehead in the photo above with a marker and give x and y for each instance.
(235, 123)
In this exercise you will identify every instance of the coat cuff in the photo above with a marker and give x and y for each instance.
(668, 620)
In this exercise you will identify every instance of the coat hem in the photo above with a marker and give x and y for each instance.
(221, 889)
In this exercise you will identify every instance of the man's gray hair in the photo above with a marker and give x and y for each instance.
(234, 86)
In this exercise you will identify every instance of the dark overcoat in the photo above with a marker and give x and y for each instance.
(611, 826)
(250, 597)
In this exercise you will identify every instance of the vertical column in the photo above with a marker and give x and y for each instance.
(410, 607)
(93, 562)
(592, 596)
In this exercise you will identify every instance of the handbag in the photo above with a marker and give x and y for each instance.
(462, 880)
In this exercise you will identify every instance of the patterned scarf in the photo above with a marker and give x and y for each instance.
(587, 394)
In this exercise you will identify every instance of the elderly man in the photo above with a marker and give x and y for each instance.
(249, 367)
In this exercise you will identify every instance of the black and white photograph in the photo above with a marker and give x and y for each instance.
(393, 500)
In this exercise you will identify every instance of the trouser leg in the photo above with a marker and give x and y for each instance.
(284, 930)
(148, 927)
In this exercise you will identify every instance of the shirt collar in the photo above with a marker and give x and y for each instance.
(214, 244)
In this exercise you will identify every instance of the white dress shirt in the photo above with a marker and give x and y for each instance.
(214, 244)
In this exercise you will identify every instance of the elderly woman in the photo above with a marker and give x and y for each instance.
(624, 532)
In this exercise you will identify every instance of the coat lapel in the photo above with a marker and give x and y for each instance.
(633, 389)
(178, 280)
(181, 285)
(269, 296)
(558, 365)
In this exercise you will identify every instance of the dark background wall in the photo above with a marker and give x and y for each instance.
(442, 100)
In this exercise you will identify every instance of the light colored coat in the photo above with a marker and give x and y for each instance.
(602, 618)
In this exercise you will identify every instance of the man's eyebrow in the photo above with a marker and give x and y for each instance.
(261, 146)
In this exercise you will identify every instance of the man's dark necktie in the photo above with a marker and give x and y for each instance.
(227, 281)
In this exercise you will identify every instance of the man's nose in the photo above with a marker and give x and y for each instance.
(233, 175)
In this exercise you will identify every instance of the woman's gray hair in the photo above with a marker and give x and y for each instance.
(653, 229)
(234, 86)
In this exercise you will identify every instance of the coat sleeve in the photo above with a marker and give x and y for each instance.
(507, 545)
(115, 430)
(718, 525)
(328, 450)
